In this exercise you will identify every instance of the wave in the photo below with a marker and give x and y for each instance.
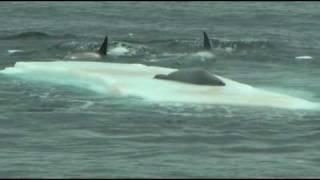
(241, 44)
(34, 35)
(217, 43)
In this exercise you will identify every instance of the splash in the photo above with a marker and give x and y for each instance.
(204, 55)
(118, 51)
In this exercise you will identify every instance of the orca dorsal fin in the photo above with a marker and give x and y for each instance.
(206, 41)
(104, 46)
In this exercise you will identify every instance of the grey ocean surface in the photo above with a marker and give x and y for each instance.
(50, 130)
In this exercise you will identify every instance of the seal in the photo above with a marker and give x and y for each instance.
(192, 76)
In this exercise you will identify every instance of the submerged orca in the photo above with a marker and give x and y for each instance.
(91, 55)
(192, 76)
(205, 53)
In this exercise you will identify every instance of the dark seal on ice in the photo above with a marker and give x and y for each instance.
(192, 76)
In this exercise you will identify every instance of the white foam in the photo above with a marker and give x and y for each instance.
(118, 51)
(304, 57)
(83, 55)
(13, 51)
(204, 55)
(229, 49)
(137, 80)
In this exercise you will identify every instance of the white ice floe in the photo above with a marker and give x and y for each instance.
(137, 80)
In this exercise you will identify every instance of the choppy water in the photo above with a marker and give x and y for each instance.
(50, 130)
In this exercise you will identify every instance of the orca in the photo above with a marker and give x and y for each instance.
(206, 50)
(102, 52)
(193, 76)
(207, 45)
